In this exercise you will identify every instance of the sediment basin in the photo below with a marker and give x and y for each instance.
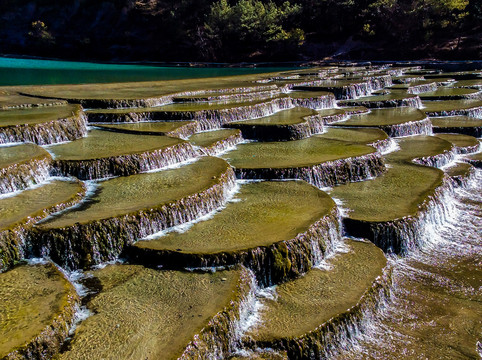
(22, 166)
(37, 310)
(105, 154)
(43, 126)
(277, 229)
(123, 210)
(401, 121)
(150, 314)
(308, 314)
(19, 212)
(319, 161)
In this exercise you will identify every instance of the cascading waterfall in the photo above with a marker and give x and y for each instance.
(83, 245)
(210, 120)
(449, 238)
(407, 234)
(124, 165)
(14, 242)
(475, 112)
(222, 334)
(51, 132)
(317, 103)
(380, 82)
(411, 101)
(418, 89)
(385, 146)
(326, 174)
(21, 176)
(227, 97)
(222, 145)
(271, 264)
(420, 127)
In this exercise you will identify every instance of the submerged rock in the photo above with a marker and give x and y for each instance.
(37, 310)
(319, 161)
(181, 129)
(451, 93)
(366, 136)
(214, 142)
(291, 124)
(106, 153)
(19, 212)
(143, 313)
(123, 210)
(22, 166)
(457, 124)
(277, 229)
(43, 126)
(310, 315)
(14, 100)
(472, 108)
(402, 121)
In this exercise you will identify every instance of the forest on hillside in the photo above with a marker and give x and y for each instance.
(241, 30)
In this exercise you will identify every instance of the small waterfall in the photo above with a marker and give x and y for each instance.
(407, 234)
(438, 160)
(124, 165)
(222, 145)
(412, 101)
(215, 119)
(184, 131)
(83, 245)
(45, 344)
(312, 125)
(52, 132)
(379, 82)
(207, 119)
(384, 146)
(420, 127)
(408, 80)
(354, 91)
(271, 264)
(14, 241)
(21, 176)
(321, 342)
(230, 97)
(395, 72)
(163, 100)
(393, 329)
(125, 103)
(418, 89)
(317, 103)
(475, 112)
(222, 334)
(327, 174)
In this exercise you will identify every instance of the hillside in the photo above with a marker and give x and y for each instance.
(241, 30)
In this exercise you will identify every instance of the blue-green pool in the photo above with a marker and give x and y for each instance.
(14, 71)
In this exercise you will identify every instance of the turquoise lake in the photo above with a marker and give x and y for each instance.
(15, 71)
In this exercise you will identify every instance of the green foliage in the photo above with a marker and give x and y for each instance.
(252, 24)
(232, 30)
(41, 34)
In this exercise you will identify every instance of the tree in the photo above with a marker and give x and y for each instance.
(250, 26)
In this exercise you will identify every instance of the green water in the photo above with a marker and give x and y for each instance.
(40, 72)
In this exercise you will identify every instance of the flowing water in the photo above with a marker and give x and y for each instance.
(283, 262)
(434, 310)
